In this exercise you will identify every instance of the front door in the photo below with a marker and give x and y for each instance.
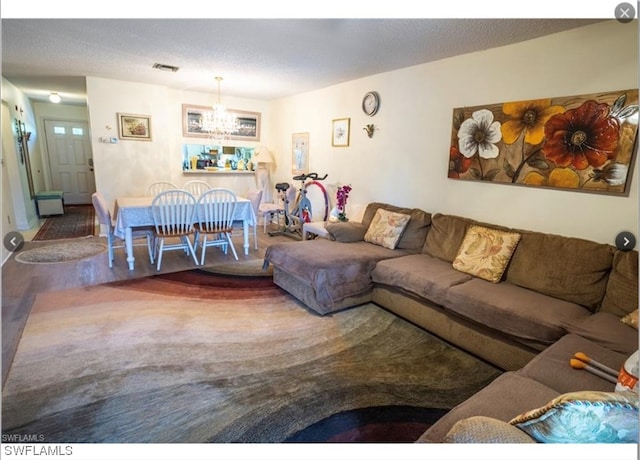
(70, 160)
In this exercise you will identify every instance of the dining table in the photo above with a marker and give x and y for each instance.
(133, 212)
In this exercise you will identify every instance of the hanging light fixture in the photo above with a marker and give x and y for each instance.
(219, 123)
(55, 98)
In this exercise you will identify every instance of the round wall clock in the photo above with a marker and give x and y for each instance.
(370, 103)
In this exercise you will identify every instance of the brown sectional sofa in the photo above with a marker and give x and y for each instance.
(557, 294)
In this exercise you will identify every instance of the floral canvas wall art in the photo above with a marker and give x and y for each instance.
(584, 143)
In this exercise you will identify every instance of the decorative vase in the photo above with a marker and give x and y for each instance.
(333, 214)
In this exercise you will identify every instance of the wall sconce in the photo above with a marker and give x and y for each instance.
(55, 98)
(369, 129)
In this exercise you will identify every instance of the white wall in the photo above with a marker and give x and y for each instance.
(406, 161)
(125, 168)
(24, 208)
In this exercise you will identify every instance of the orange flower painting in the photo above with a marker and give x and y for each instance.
(584, 143)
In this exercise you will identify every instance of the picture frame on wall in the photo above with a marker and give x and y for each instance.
(340, 132)
(300, 153)
(134, 127)
(248, 124)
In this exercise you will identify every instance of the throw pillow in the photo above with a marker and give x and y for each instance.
(386, 228)
(486, 252)
(631, 319)
(584, 417)
(346, 232)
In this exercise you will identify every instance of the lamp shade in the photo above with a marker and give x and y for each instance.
(262, 155)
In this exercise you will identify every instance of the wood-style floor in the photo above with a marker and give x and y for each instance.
(22, 282)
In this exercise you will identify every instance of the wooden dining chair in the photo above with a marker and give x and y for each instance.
(196, 187)
(105, 219)
(156, 187)
(215, 211)
(173, 218)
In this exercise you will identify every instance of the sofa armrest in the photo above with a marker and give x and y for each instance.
(479, 429)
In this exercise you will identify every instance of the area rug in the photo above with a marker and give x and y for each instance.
(193, 357)
(77, 221)
(239, 268)
(60, 252)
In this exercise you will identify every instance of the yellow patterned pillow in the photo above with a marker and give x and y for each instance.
(631, 319)
(486, 252)
(386, 228)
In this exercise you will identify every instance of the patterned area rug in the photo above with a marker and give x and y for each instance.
(77, 221)
(195, 357)
(61, 252)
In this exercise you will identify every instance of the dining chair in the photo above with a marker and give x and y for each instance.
(196, 187)
(255, 196)
(173, 213)
(156, 187)
(104, 217)
(215, 211)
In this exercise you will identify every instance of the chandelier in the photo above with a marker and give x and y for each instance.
(219, 123)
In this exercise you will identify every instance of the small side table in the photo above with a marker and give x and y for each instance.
(317, 228)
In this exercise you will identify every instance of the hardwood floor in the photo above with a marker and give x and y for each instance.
(21, 282)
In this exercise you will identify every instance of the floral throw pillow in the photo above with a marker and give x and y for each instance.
(486, 252)
(631, 319)
(386, 228)
(584, 417)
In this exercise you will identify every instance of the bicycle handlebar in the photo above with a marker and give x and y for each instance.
(313, 176)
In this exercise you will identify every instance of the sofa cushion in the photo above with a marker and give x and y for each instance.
(583, 417)
(513, 310)
(503, 399)
(571, 269)
(420, 274)
(551, 367)
(346, 232)
(604, 329)
(414, 234)
(333, 270)
(480, 429)
(445, 236)
(621, 296)
(485, 252)
(386, 228)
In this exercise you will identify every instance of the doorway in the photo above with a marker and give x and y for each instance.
(70, 160)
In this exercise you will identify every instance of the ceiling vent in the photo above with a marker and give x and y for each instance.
(165, 67)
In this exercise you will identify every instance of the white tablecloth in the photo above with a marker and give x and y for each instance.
(134, 212)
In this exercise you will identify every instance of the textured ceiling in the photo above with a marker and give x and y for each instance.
(258, 58)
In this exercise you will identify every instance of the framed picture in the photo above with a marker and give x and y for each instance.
(582, 143)
(340, 132)
(247, 123)
(134, 127)
(300, 153)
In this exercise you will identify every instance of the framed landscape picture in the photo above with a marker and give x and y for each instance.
(134, 127)
(193, 125)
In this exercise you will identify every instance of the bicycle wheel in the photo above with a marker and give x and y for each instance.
(318, 199)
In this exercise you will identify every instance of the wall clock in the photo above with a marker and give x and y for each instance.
(370, 103)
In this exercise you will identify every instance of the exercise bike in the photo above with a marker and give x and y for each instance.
(292, 220)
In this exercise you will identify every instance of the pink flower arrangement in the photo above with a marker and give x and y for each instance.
(341, 197)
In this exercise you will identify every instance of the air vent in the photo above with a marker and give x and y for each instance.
(165, 67)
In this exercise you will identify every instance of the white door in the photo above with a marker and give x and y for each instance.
(70, 160)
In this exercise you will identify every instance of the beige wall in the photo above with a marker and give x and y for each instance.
(125, 168)
(406, 161)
